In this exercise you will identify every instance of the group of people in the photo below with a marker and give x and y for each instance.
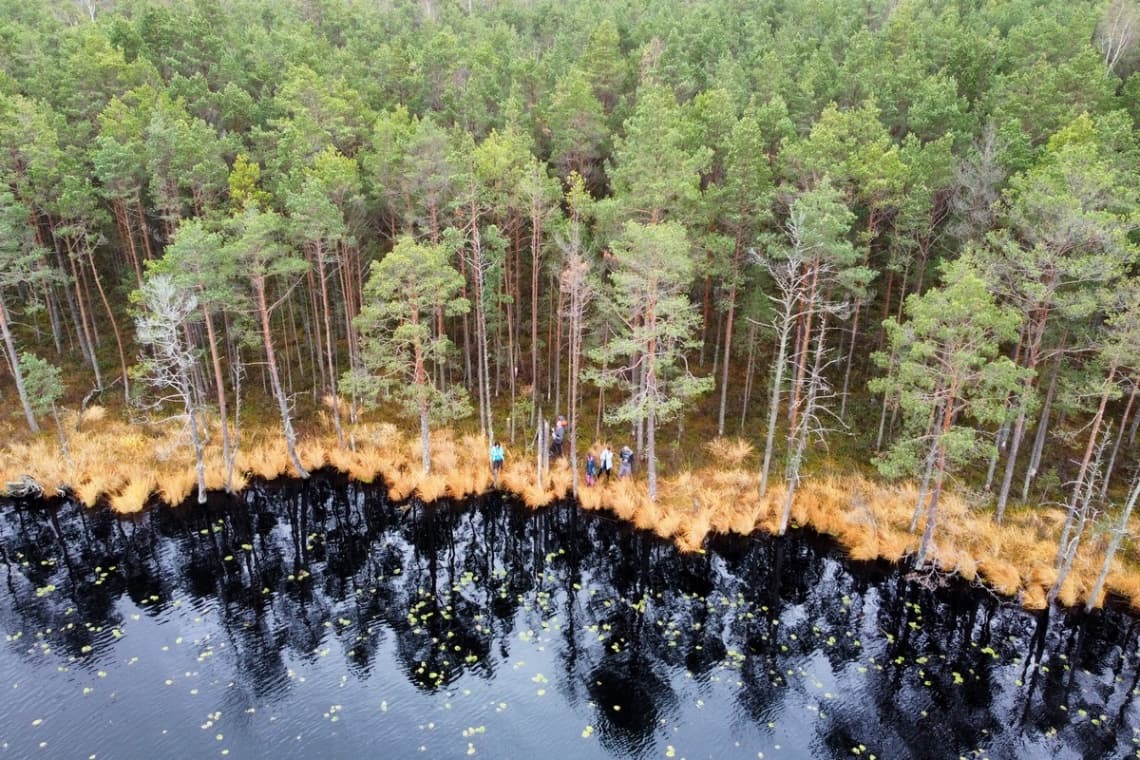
(597, 465)
(602, 465)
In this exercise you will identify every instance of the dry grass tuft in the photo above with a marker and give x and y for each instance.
(1041, 575)
(668, 525)
(624, 499)
(1034, 597)
(432, 487)
(1070, 592)
(93, 414)
(729, 452)
(1127, 586)
(175, 485)
(402, 481)
(647, 515)
(311, 452)
(591, 498)
(967, 567)
(693, 531)
(894, 545)
(342, 406)
(134, 495)
(1001, 575)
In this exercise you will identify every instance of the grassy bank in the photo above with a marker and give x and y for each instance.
(126, 467)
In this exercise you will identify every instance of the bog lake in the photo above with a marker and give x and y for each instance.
(316, 619)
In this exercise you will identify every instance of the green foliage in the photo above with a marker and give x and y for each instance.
(658, 325)
(945, 369)
(407, 291)
(43, 382)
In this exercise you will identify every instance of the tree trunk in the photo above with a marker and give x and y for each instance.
(939, 475)
(535, 244)
(749, 377)
(1116, 446)
(1036, 332)
(728, 323)
(1113, 545)
(1082, 473)
(651, 411)
(114, 327)
(17, 372)
(927, 472)
(86, 341)
(196, 439)
(123, 221)
(1000, 441)
(774, 403)
(326, 312)
(800, 434)
(275, 380)
(484, 369)
(1039, 438)
(220, 392)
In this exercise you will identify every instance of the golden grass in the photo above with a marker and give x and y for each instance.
(1001, 575)
(175, 485)
(93, 414)
(729, 452)
(1034, 598)
(1126, 586)
(134, 495)
(125, 466)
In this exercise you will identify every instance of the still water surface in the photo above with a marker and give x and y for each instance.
(316, 619)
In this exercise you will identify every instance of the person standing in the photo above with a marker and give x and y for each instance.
(606, 462)
(497, 457)
(557, 435)
(626, 462)
(591, 469)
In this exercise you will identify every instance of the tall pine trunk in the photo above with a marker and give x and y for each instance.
(275, 379)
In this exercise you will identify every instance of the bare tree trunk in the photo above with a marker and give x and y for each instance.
(927, 472)
(326, 311)
(114, 327)
(17, 372)
(1116, 446)
(220, 392)
(199, 449)
(774, 402)
(1082, 473)
(649, 383)
(1080, 511)
(86, 342)
(1113, 545)
(939, 475)
(850, 359)
(749, 376)
(1035, 333)
(797, 438)
(1002, 437)
(558, 351)
(484, 373)
(535, 239)
(275, 380)
(1040, 437)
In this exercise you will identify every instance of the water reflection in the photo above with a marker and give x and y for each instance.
(568, 634)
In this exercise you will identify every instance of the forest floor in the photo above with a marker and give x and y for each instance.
(705, 488)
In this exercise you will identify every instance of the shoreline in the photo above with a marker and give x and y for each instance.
(126, 467)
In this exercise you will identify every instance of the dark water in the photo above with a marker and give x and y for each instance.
(317, 620)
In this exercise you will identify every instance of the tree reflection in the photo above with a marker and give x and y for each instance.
(297, 570)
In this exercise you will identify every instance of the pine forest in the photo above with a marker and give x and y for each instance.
(867, 266)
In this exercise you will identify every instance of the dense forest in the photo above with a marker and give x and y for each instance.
(874, 231)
